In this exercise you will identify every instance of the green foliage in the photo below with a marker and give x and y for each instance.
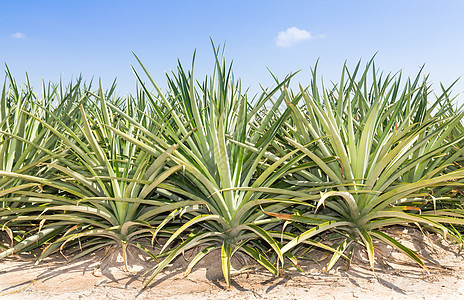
(390, 154)
(202, 165)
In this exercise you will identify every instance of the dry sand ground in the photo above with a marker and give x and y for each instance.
(82, 279)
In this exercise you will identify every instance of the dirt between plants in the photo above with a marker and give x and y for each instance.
(395, 276)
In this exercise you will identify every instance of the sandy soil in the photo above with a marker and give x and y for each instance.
(397, 279)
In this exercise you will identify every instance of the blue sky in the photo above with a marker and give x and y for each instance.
(49, 39)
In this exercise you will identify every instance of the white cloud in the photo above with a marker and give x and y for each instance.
(292, 36)
(18, 35)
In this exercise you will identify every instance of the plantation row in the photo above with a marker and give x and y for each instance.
(202, 165)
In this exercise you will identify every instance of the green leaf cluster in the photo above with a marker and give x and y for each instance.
(203, 165)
